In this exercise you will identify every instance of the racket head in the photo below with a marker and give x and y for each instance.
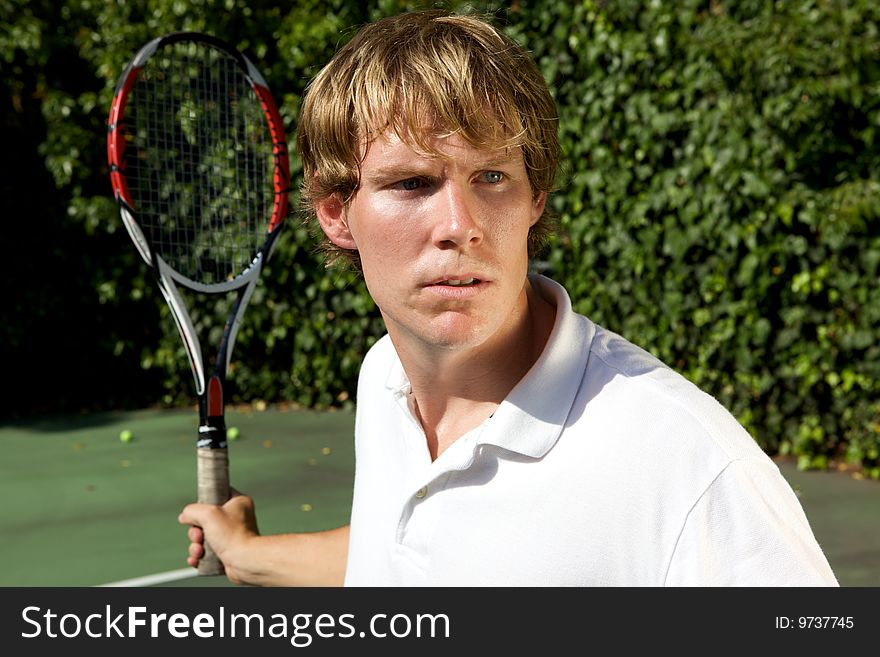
(198, 159)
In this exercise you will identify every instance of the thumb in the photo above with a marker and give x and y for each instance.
(195, 514)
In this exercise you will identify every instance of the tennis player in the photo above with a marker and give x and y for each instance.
(501, 438)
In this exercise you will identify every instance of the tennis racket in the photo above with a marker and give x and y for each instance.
(199, 168)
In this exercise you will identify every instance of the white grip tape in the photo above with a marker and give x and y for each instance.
(213, 480)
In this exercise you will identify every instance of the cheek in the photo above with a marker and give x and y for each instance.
(383, 230)
(508, 230)
(382, 246)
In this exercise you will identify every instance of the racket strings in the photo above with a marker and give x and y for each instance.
(199, 161)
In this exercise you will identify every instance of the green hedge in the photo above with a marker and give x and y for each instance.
(720, 205)
(722, 208)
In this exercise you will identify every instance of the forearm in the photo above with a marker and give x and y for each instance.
(310, 559)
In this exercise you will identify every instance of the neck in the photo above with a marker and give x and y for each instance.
(454, 391)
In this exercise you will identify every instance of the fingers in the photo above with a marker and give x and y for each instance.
(196, 552)
(226, 526)
(193, 515)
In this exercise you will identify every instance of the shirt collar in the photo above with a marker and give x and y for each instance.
(530, 419)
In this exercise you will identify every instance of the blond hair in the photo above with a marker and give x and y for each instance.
(455, 74)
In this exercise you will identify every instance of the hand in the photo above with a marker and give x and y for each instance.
(230, 529)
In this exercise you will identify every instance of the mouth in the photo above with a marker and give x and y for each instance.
(458, 282)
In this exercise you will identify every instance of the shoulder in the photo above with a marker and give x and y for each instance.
(637, 403)
(668, 407)
(757, 530)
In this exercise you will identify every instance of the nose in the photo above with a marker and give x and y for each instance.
(456, 223)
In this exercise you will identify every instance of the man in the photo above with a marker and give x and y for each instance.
(501, 439)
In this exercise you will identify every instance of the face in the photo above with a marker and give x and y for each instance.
(442, 240)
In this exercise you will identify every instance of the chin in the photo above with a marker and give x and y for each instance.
(455, 335)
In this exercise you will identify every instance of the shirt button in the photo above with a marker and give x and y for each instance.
(421, 492)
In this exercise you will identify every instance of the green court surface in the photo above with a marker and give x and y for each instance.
(82, 508)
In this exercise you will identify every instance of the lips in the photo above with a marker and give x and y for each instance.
(456, 287)
(458, 282)
(457, 279)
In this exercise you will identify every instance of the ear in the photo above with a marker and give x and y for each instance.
(331, 215)
(538, 203)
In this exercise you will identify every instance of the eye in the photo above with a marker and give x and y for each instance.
(492, 177)
(411, 184)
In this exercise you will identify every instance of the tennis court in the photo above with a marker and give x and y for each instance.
(82, 508)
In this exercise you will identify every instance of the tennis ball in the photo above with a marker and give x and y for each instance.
(232, 433)
(126, 436)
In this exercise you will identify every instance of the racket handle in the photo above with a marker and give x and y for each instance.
(213, 476)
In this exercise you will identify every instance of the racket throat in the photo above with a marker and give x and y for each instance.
(212, 428)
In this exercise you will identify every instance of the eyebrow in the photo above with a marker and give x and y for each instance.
(397, 171)
(413, 170)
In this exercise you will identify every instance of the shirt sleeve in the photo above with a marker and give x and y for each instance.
(748, 529)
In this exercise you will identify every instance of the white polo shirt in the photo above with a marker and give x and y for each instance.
(602, 467)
